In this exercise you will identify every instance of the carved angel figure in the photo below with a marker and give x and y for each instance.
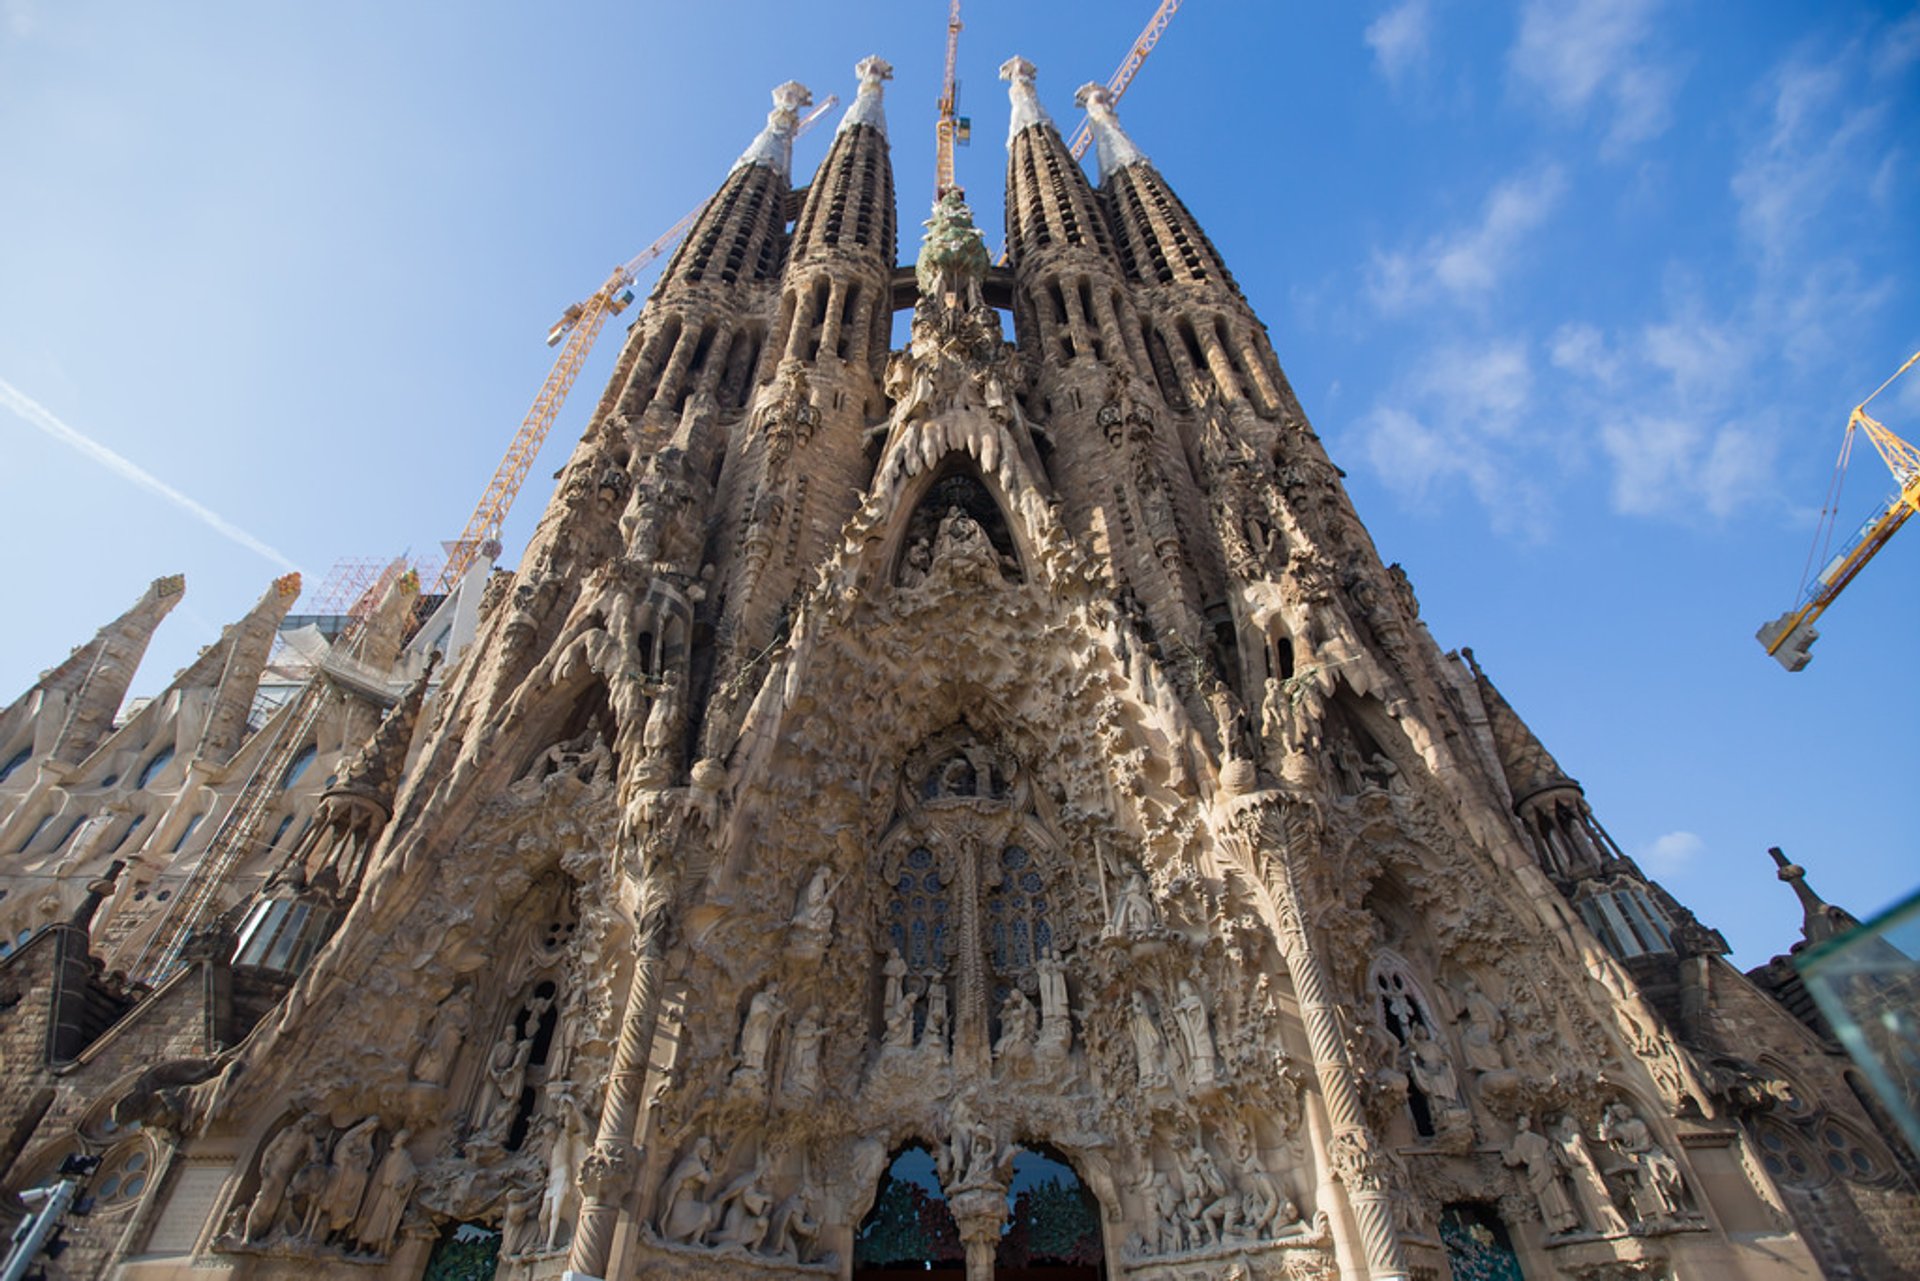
(1133, 911)
(1545, 1169)
(1147, 1045)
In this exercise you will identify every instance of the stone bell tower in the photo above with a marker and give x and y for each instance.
(983, 804)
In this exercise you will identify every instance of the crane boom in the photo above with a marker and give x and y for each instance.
(579, 325)
(1788, 637)
(1129, 68)
(947, 125)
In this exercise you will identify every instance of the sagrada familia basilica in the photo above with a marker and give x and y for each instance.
(981, 806)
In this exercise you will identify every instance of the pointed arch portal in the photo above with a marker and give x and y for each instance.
(1052, 1232)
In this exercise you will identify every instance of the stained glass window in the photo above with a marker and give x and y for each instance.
(919, 914)
(1017, 928)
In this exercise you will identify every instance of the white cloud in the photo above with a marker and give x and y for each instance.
(1672, 852)
(1578, 53)
(1400, 37)
(1467, 265)
(1460, 418)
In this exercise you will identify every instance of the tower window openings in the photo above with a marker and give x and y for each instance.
(132, 827)
(151, 770)
(299, 766)
(816, 316)
(14, 762)
(1627, 921)
(186, 833)
(34, 835)
(849, 311)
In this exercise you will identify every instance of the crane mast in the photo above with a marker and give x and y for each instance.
(1129, 68)
(947, 127)
(1788, 637)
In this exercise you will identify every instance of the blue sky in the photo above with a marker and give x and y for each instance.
(1578, 293)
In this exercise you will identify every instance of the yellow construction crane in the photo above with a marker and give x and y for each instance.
(1129, 68)
(950, 127)
(1788, 637)
(579, 325)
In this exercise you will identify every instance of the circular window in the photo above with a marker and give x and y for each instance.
(1785, 1159)
(122, 1176)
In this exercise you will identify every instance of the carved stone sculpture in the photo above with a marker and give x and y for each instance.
(1545, 1175)
(506, 1080)
(1190, 1012)
(285, 1155)
(1148, 1049)
(764, 1012)
(351, 1167)
(1481, 1027)
(1133, 910)
(803, 1056)
(393, 1184)
(684, 1216)
(1056, 1022)
(434, 1063)
(1656, 1188)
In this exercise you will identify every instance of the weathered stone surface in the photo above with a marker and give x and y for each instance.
(978, 752)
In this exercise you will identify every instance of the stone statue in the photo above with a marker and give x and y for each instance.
(434, 1064)
(814, 911)
(792, 1230)
(747, 1219)
(756, 1032)
(1433, 1071)
(339, 1201)
(1056, 1023)
(663, 723)
(507, 1078)
(1657, 1188)
(1017, 1025)
(285, 1155)
(1133, 911)
(1589, 1186)
(896, 971)
(393, 1183)
(1147, 1045)
(572, 1140)
(899, 1034)
(1274, 722)
(1265, 1206)
(1481, 1027)
(803, 1056)
(684, 1217)
(1190, 1012)
(936, 1029)
(1545, 1168)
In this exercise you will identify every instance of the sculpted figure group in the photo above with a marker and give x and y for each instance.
(742, 1217)
(318, 1189)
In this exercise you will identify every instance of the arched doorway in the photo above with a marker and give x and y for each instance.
(1053, 1222)
(909, 1231)
(1052, 1231)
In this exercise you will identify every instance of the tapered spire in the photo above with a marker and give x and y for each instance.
(233, 668)
(1114, 150)
(867, 109)
(95, 678)
(1027, 111)
(1820, 920)
(773, 148)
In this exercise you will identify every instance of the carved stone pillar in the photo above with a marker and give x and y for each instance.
(1286, 837)
(980, 1212)
(610, 1167)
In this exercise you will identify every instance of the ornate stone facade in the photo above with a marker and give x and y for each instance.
(890, 773)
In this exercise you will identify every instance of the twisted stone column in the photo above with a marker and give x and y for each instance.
(610, 1168)
(1353, 1151)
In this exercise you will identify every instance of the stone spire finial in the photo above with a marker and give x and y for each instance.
(1110, 142)
(773, 148)
(1820, 920)
(1027, 111)
(874, 72)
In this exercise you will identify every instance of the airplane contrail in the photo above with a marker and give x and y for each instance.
(27, 408)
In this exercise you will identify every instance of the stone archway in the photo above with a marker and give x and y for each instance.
(1053, 1222)
(909, 1231)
